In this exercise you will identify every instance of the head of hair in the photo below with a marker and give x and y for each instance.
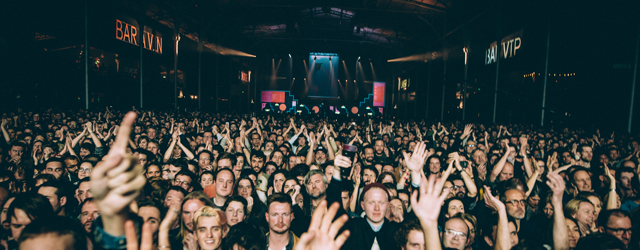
(279, 198)
(315, 172)
(57, 226)
(208, 211)
(244, 236)
(372, 169)
(232, 158)
(605, 215)
(153, 203)
(599, 241)
(272, 177)
(237, 198)
(215, 177)
(33, 204)
(572, 206)
(406, 227)
(384, 175)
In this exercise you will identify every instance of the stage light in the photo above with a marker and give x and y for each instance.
(358, 58)
(267, 110)
(289, 55)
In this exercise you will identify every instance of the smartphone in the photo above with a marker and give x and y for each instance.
(350, 152)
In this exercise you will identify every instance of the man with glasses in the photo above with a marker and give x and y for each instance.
(616, 222)
(184, 179)
(455, 234)
(471, 145)
(515, 204)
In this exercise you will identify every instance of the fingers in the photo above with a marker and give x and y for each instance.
(305, 240)
(316, 218)
(130, 235)
(334, 228)
(147, 237)
(342, 239)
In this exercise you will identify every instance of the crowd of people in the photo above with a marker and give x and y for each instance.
(194, 180)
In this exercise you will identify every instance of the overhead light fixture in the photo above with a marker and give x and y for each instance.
(358, 58)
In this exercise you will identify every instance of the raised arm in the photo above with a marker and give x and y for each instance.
(560, 234)
(612, 201)
(94, 138)
(79, 137)
(498, 167)
(172, 144)
(427, 209)
(5, 134)
(503, 236)
(534, 176)
(523, 152)
(186, 151)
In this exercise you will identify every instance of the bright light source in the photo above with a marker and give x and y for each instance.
(267, 110)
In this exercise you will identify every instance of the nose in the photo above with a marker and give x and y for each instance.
(377, 207)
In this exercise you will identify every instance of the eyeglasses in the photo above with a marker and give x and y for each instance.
(458, 187)
(86, 170)
(471, 145)
(619, 231)
(181, 183)
(516, 202)
(452, 233)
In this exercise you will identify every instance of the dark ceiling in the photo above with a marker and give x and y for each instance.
(383, 28)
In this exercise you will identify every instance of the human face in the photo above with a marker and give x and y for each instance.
(56, 169)
(415, 241)
(405, 200)
(316, 186)
(50, 194)
(84, 191)
(270, 169)
(548, 210)
(434, 166)
(3, 215)
(150, 215)
(153, 171)
(620, 227)
(585, 213)
(533, 201)
(582, 180)
(574, 232)
(142, 159)
(244, 188)
(368, 154)
(256, 163)
(459, 188)
(597, 204)
(507, 172)
(344, 195)
(153, 147)
(224, 184)
(88, 215)
(625, 179)
(206, 180)
(455, 234)
(85, 170)
(16, 151)
(173, 170)
(472, 233)
(209, 233)
(375, 205)
(173, 196)
(379, 146)
(515, 203)
(455, 206)
(19, 220)
(235, 213)
(586, 154)
(188, 209)
(470, 147)
(224, 163)
(368, 177)
(279, 216)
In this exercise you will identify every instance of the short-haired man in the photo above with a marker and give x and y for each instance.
(223, 183)
(410, 235)
(455, 234)
(55, 193)
(55, 167)
(279, 215)
(89, 212)
(616, 222)
(184, 179)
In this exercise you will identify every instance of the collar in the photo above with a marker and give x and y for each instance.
(289, 245)
(374, 228)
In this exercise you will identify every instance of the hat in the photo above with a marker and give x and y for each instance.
(374, 185)
(321, 148)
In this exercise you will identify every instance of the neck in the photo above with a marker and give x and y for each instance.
(278, 241)
(219, 200)
(316, 202)
(375, 224)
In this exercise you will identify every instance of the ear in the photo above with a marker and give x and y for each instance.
(266, 216)
(362, 205)
(63, 200)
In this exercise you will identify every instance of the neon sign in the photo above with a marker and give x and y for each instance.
(128, 33)
(509, 46)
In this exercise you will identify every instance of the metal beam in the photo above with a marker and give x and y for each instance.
(423, 5)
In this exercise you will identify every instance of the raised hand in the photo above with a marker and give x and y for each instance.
(117, 180)
(416, 160)
(427, 208)
(322, 232)
(491, 201)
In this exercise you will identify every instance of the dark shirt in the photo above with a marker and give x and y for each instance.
(363, 236)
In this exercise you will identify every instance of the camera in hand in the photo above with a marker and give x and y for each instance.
(350, 152)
